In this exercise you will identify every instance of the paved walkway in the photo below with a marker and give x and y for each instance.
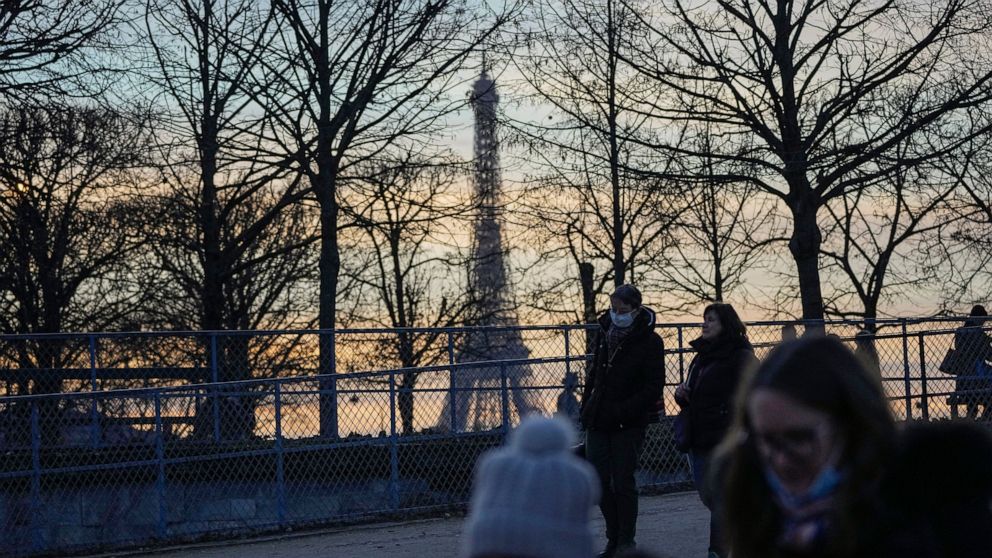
(670, 526)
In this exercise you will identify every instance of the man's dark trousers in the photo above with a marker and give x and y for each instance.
(614, 455)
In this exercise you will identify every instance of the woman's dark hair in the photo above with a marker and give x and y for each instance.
(977, 316)
(730, 322)
(823, 374)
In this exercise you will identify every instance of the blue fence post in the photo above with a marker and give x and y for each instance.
(451, 349)
(160, 460)
(504, 398)
(924, 394)
(280, 460)
(328, 383)
(213, 358)
(452, 390)
(394, 454)
(907, 380)
(214, 375)
(678, 331)
(568, 352)
(37, 540)
(94, 412)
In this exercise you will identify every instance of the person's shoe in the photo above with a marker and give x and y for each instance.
(624, 548)
(713, 554)
(609, 551)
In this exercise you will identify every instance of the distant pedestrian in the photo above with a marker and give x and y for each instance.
(723, 351)
(624, 381)
(567, 404)
(789, 332)
(814, 467)
(532, 498)
(974, 347)
(864, 349)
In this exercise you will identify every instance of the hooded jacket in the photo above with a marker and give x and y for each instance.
(623, 385)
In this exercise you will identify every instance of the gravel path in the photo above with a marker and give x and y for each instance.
(670, 526)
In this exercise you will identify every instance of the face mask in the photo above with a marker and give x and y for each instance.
(824, 485)
(622, 320)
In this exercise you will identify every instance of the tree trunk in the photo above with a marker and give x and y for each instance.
(805, 248)
(717, 279)
(871, 311)
(619, 267)
(330, 264)
(589, 316)
(213, 293)
(874, 291)
(238, 411)
(404, 398)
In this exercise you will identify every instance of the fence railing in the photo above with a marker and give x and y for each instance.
(112, 463)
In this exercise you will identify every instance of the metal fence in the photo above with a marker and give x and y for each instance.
(150, 445)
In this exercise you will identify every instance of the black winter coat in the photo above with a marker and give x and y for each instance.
(714, 374)
(975, 345)
(621, 388)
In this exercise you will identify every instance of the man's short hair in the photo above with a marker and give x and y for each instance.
(628, 294)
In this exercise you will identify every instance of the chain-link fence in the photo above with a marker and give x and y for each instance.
(112, 440)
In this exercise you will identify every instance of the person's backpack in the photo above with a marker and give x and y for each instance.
(955, 362)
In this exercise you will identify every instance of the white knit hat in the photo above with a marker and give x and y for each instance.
(533, 497)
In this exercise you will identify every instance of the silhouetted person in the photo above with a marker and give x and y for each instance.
(567, 404)
(864, 349)
(789, 332)
(974, 347)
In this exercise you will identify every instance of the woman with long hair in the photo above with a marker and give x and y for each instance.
(722, 353)
(813, 466)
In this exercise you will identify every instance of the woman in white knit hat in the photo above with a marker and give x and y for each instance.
(532, 498)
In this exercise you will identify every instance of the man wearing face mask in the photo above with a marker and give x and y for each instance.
(623, 382)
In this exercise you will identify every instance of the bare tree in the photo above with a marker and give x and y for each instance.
(66, 229)
(204, 51)
(962, 255)
(401, 251)
(232, 238)
(344, 81)
(47, 48)
(873, 236)
(810, 83)
(718, 242)
(595, 197)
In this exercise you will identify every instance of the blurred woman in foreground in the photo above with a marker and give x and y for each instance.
(814, 466)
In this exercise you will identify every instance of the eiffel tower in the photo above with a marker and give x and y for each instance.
(476, 392)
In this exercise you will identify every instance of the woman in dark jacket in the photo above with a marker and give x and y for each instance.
(722, 353)
(625, 379)
(974, 346)
(814, 467)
